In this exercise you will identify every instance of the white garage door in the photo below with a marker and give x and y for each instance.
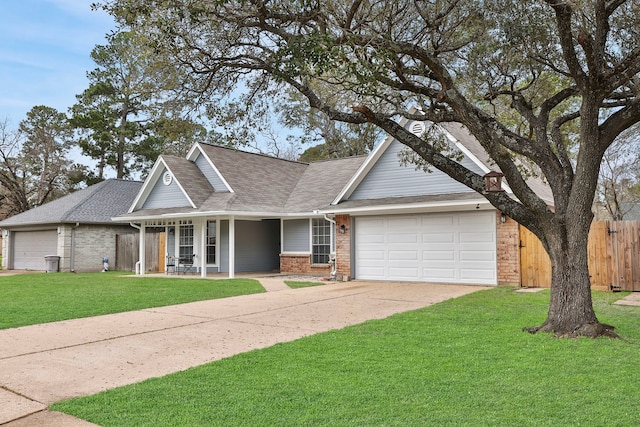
(30, 248)
(443, 247)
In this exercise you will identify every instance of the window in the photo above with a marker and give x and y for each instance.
(211, 242)
(185, 246)
(320, 241)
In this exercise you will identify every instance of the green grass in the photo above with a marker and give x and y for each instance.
(39, 298)
(462, 362)
(294, 284)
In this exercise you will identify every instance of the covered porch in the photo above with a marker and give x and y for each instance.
(215, 245)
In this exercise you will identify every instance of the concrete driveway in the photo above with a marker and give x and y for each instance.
(43, 364)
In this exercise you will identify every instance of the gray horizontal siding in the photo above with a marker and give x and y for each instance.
(296, 235)
(211, 175)
(389, 178)
(166, 196)
(257, 245)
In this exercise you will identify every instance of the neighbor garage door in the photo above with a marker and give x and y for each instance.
(442, 247)
(30, 248)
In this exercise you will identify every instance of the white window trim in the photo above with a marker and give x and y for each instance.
(206, 225)
(331, 240)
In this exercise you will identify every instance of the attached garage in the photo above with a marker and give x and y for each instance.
(30, 248)
(455, 247)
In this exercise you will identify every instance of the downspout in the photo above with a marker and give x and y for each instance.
(332, 255)
(137, 269)
(72, 256)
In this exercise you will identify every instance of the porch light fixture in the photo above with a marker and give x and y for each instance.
(503, 218)
(343, 228)
(493, 182)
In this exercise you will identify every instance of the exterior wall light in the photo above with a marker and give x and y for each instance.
(343, 228)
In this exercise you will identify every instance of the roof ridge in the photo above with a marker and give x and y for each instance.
(253, 153)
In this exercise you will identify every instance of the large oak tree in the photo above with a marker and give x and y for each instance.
(548, 84)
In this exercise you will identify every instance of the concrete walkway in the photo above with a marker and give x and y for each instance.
(43, 364)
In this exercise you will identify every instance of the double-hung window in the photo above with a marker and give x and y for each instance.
(320, 241)
(185, 243)
(211, 242)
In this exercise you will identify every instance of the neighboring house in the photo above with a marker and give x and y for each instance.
(233, 211)
(77, 228)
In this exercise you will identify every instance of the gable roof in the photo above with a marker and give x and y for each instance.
(218, 180)
(321, 182)
(96, 204)
(254, 184)
(461, 134)
(190, 179)
(463, 140)
(260, 182)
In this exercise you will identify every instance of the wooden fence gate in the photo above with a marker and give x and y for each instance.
(614, 257)
(127, 251)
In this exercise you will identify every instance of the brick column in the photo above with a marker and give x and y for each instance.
(343, 248)
(508, 251)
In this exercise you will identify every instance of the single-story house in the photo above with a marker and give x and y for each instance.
(77, 228)
(370, 217)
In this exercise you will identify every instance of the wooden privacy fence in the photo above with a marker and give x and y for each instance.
(614, 257)
(127, 251)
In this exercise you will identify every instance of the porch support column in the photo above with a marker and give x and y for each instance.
(203, 248)
(232, 247)
(142, 246)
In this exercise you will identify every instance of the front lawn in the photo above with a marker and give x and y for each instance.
(297, 284)
(461, 362)
(39, 298)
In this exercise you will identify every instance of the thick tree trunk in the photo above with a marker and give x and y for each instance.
(571, 311)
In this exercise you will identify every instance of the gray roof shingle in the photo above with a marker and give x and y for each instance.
(463, 135)
(259, 182)
(190, 177)
(96, 204)
(321, 183)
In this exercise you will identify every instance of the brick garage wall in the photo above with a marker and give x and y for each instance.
(301, 264)
(343, 248)
(94, 242)
(508, 239)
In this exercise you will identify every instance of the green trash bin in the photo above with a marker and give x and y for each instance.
(52, 263)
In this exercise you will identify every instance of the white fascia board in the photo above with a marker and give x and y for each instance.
(223, 214)
(474, 204)
(148, 184)
(470, 155)
(364, 169)
(193, 155)
(184, 192)
(194, 151)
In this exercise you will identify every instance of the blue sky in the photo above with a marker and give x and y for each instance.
(44, 53)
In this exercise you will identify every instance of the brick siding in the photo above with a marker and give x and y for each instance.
(508, 251)
(301, 264)
(343, 248)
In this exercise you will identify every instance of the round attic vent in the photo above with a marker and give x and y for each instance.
(167, 178)
(417, 128)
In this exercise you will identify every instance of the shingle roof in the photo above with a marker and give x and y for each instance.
(321, 183)
(262, 184)
(259, 182)
(193, 181)
(96, 204)
(470, 142)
